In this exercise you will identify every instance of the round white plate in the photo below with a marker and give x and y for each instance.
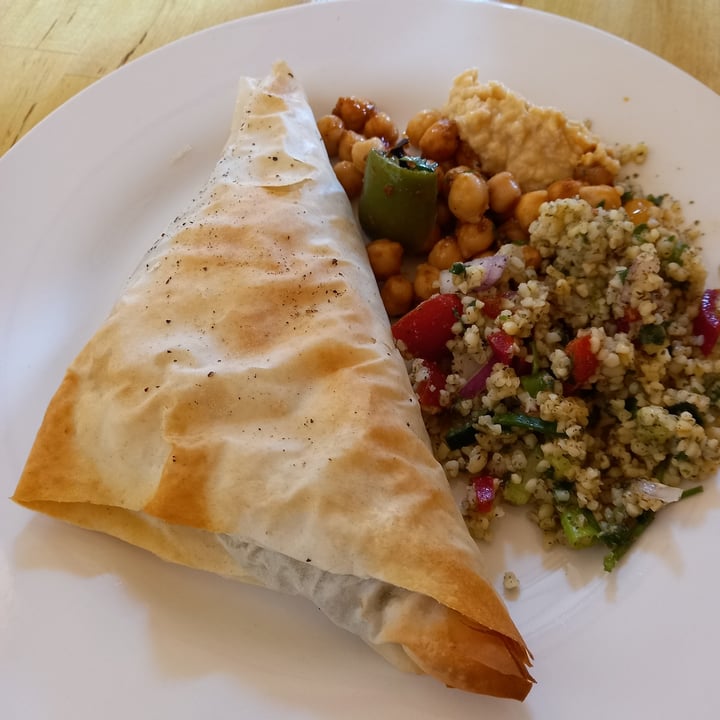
(91, 628)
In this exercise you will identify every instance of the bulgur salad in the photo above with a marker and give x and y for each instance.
(554, 317)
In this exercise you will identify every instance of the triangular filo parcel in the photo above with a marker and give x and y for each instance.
(243, 410)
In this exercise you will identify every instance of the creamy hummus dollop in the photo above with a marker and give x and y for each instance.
(538, 145)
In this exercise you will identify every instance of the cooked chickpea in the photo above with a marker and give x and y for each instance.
(444, 253)
(381, 125)
(346, 142)
(474, 238)
(435, 235)
(503, 192)
(440, 141)
(528, 207)
(349, 177)
(354, 112)
(565, 188)
(531, 256)
(444, 217)
(605, 196)
(426, 279)
(419, 123)
(639, 210)
(362, 148)
(468, 197)
(465, 155)
(511, 232)
(594, 175)
(385, 257)
(449, 175)
(331, 128)
(397, 295)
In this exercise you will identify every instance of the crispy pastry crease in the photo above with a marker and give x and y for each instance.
(242, 410)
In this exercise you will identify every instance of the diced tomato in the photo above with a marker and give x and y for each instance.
(429, 387)
(521, 366)
(426, 329)
(707, 321)
(484, 486)
(631, 315)
(503, 346)
(584, 361)
(492, 305)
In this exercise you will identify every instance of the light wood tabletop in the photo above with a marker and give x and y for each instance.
(53, 49)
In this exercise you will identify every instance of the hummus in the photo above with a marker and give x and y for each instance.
(538, 145)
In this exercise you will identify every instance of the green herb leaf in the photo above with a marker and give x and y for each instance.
(692, 491)
(652, 335)
(656, 199)
(526, 422)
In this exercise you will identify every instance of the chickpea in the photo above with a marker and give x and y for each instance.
(449, 175)
(468, 197)
(440, 171)
(346, 142)
(349, 177)
(361, 149)
(605, 196)
(528, 207)
(331, 128)
(435, 236)
(444, 217)
(474, 238)
(511, 232)
(397, 295)
(465, 155)
(385, 257)
(594, 175)
(426, 280)
(420, 123)
(566, 188)
(504, 191)
(444, 253)
(381, 125)
(354, 112)
(440, 141)
(639, 210)
(531, 256)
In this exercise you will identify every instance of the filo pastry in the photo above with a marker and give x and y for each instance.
(243, 410)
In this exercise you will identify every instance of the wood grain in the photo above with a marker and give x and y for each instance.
(686, 33)
(52, 49)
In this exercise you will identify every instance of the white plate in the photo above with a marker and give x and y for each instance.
(91, 628)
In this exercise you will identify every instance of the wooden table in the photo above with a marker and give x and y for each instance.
(51, 50)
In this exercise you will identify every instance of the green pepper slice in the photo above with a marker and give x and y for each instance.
(580, 527)
(399, 199)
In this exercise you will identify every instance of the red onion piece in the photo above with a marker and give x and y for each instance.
(494, 267)
(478, 382)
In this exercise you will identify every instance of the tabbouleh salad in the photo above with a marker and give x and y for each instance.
(560, 339)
